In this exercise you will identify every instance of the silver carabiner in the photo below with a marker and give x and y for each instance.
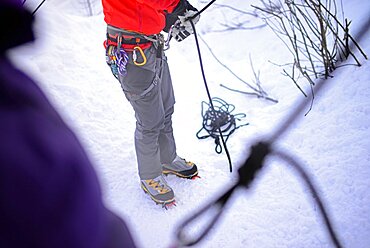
(166, 44)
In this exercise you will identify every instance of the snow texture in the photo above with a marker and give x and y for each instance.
(332, 141)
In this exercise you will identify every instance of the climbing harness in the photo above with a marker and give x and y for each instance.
(219, 118)
(117, 56)
(118, 38)
(120, 43)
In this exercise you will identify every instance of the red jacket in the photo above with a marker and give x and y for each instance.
(142, 16)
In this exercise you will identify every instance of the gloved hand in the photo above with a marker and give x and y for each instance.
(182, 27)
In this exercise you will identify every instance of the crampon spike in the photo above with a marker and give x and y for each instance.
(195, 177)
(167, 205)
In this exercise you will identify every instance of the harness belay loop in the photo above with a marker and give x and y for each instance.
(218, 118)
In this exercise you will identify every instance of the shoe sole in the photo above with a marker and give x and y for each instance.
(168, 172)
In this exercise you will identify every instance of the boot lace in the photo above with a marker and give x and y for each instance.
(157, 185)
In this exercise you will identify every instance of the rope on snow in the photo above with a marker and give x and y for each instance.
(218, 119)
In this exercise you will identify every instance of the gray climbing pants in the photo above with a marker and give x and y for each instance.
(149, 90)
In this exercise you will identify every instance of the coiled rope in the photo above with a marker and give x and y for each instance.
(219, 118)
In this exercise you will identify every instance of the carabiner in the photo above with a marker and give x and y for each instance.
(134, 56)
(166, 43)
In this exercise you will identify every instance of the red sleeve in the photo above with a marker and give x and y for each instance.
(168, 5)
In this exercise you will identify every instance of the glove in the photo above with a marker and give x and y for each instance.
(182, 27)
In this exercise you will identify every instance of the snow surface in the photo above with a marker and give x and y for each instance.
(333, 141)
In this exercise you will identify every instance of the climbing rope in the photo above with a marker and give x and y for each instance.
(219, 118)
(37, 8)
(207, 90)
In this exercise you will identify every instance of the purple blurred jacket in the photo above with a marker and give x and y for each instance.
(49, 192)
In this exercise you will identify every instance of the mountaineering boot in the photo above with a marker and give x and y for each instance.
(181, 168)
(159, 191)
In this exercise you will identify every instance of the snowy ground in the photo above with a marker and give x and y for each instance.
(332, 141)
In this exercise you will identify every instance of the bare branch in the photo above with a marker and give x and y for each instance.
(257, 89)
(313, 34)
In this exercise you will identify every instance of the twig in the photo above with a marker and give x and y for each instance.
(254, 14)
(226, 67)
(250, 93)
(259, 92)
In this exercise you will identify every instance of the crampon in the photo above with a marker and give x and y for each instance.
(195, 177)
(167, 205)
(192, 177)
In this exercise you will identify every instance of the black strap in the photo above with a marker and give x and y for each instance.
(125, 40)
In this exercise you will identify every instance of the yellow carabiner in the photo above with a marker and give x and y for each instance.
(134, 57)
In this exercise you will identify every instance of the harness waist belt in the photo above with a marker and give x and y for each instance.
(131, 38)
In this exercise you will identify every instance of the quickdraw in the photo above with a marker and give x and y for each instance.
(117, 60)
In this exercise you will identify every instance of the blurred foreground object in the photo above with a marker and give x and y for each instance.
(49, 192)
